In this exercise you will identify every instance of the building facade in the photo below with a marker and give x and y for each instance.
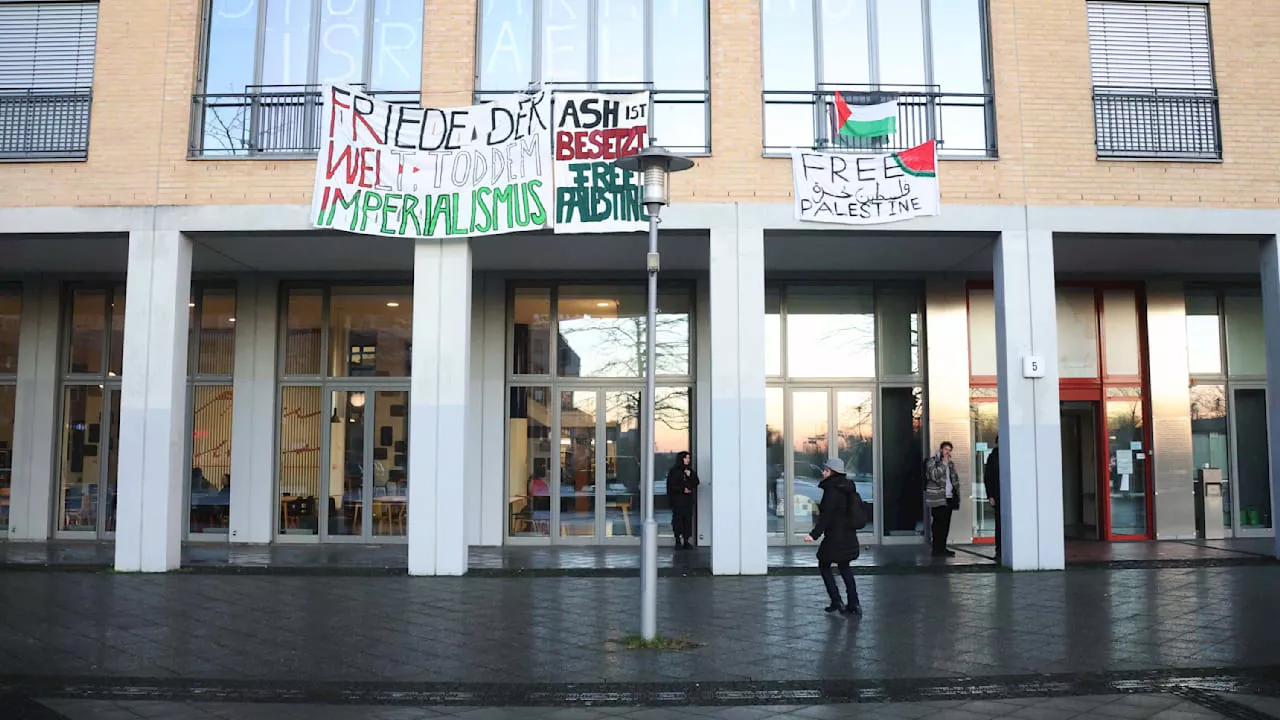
(184, 358)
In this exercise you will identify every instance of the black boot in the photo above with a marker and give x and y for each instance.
(687, 545)
(835, 606)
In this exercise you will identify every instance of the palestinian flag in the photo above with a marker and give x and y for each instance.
(866, 120)
(919, 161)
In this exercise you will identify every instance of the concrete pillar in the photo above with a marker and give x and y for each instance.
(438, 407)
(255, 422)
(36, 426)
(1171, 411)
(1030, 439)
(153, 403)
(947, 345)
(1271, 321)
(739, 532)
(486, 416)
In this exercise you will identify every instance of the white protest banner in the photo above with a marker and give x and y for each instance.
(433, 172)
(592, 130)
(851, 189)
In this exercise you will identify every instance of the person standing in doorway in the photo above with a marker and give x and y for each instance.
(942, 494)
(682, 486)
(840, 514)
(991, 479)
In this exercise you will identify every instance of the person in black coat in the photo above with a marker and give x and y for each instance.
(839, 514)
(991, 479)
(682, 487)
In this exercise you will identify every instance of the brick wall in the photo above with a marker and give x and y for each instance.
(147, 56)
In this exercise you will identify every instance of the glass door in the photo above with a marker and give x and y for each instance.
(367, 480)
(1248, 499)
(827, 423)
(599, 460)
(88, 467)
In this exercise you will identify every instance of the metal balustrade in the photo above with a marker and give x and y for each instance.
(44, 123)
(1178, 124)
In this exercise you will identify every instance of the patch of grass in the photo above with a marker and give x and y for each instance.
(635, 642)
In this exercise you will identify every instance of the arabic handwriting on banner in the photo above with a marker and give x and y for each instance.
(433, 172)
(591, 131)
(850, 189)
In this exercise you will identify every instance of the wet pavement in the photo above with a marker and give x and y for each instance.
(623, 561)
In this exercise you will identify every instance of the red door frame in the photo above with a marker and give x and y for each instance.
(1096, 390)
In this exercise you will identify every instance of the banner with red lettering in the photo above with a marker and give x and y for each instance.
(591, 131)
(408, 171)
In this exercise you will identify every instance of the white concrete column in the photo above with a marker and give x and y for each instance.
(1271, 321)
(35, 432)
(1030, 439)
(153, 403)
(1170, 387)
(739, 532)
(486, 417)
(438, 407)
(255, 421)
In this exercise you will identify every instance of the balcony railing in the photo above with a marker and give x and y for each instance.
(962, 123)
(44, 123)
(1178, 124)
(681, 119)
(275, 120)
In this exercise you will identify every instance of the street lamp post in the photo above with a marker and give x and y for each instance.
(654, 164)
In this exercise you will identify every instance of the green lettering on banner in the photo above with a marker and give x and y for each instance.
(372, 203)
(480, 201)
(351, 205)
(454, 228)
(410, 212)
(500, 196)
(539, 215)
(436, 212)
(389, 207)
(521, 201)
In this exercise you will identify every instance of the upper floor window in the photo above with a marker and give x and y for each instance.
(929, 55)
(606, 45)
(264, 61)
(1153, 87)
(46, 79)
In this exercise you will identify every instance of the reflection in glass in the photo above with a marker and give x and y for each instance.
(810, 427)
(830, 333)
(346, 463)
(1246, 339)
(845, 59)
(982, 333)
(1120, 332)
(788, 48)
(775, 461)
(8, 394)
(673, 426)
(506, 45)
(602, 332)
(210, 496)
(789, 124)
(680, 125)
(622, 465)
(390, 468)
(1077, 333)
(86, 447)
(957, 32)
(529, 462)
(1209, 442)
(216, 343)
(115, 343)
(578, 464)
(680, 52)
(772, 333)
(233, 32)
(855, 442)
(901, 410)
(10, 329)
(88, 318)
(1204, 335)
(531, 343)
(1126, 455)
(397, 45)
(343, 26)
(899, 333)
(984, 423)
(619, 58)
(113, 459)
(565, 28)
(300, 421)
(900, 32)
(370, 331)
(304, 312)
(287, 45)
(1253, 486)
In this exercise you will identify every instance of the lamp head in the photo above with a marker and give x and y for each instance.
(654, 164)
